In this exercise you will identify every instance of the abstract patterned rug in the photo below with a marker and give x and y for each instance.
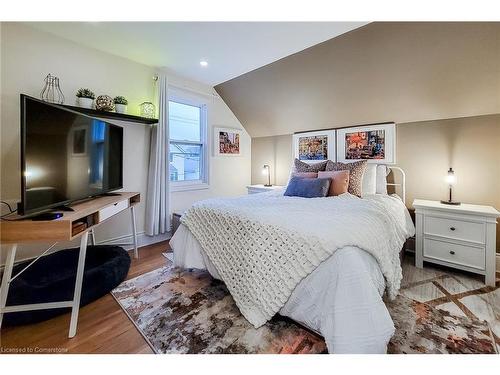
(189, 312)
(421, 328)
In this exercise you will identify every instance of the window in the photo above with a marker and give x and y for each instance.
(188, 145)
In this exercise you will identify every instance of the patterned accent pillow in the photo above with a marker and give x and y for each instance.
(300, 166)
(356, 171)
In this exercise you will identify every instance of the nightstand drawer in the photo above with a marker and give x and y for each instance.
(454, 253)
(456, 229)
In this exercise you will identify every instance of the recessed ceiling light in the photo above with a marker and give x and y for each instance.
(203, 63)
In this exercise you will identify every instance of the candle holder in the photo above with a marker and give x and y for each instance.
(147, 110)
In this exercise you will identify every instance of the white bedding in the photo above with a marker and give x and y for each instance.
(341, 299)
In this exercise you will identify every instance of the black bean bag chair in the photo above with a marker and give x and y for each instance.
(52, 279)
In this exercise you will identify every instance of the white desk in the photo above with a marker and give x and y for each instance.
(66, 228)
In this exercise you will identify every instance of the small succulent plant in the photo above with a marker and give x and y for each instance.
(85, 93)
(120, 100)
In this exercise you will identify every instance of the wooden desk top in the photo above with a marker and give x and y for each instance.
(28, 230)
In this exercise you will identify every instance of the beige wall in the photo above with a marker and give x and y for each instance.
(401, 72)
(425, 150)
(277, 153)
(438, 81)
(28, 55)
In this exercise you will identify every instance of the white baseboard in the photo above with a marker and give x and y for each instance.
(142, 240)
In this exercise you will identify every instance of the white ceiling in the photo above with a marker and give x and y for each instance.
(230, 48)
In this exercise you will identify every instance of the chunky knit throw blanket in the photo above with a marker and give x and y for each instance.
(263, 245)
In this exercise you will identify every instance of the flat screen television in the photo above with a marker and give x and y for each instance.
(66, 156)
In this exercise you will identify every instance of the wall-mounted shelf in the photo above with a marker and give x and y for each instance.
(111, 115)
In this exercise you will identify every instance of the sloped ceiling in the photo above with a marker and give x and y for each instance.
(402, 72)
(230, 48)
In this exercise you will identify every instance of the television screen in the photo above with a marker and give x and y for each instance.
(66, 156)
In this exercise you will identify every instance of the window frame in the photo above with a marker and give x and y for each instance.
(203, 182)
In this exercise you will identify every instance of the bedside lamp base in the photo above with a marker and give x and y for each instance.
(450, 200)
(453, 203)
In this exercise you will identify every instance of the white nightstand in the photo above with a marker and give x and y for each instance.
(462, 237)
(254, 189)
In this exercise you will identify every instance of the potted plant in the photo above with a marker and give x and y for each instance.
(85, 98)
(120, 104)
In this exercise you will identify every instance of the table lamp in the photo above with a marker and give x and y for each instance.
(451, 180)
(266, 170)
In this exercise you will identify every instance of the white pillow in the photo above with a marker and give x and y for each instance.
(369, 183)
(382, 172)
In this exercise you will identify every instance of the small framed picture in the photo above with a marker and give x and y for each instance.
(227, 142)
(375, 143)
(315, 146)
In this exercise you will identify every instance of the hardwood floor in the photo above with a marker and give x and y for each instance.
(103, 327)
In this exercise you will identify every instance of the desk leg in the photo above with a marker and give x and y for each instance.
(7, 273)
(134, 232)
(92, 237)
(78, 285)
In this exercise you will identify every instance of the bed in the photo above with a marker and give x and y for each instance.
(323, 262)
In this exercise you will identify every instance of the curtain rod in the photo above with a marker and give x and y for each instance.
(187, 88)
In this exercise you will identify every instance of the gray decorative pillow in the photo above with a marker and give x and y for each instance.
(300, 166)
(356, 172)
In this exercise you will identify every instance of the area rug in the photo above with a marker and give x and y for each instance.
(421, 328)
(190, 312)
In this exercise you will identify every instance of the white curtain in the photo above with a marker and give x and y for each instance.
(158, 194)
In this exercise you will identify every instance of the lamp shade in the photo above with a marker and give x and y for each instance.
(266, 170)
(451, 178)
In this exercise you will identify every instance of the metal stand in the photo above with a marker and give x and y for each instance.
(134, 232)
(92, 237)
(7, 273)
(78, 286)
(74, 304)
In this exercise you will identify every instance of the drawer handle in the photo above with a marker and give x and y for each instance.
(452, 228)
(452, 252)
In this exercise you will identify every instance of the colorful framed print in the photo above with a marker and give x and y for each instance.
(375, 143)
(227, 142)
(311, 147)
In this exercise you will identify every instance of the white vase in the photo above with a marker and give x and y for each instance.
(120, 108)
(85, 102)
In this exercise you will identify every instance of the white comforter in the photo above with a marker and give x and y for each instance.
(341, 299)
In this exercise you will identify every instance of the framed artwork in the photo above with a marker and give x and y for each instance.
(227, 142)
(314, 146)
(375, 143)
